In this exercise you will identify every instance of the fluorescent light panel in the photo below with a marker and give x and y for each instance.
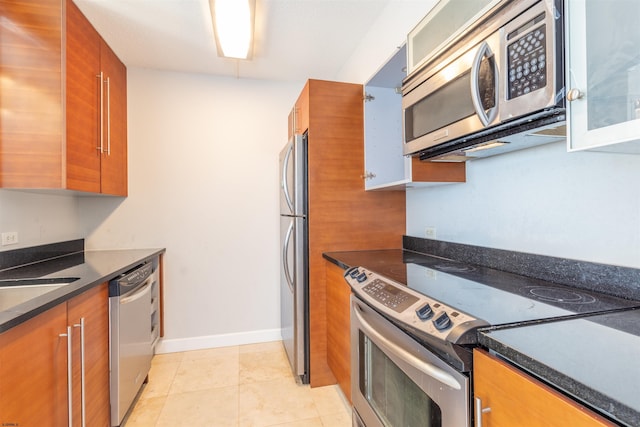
(233, 24)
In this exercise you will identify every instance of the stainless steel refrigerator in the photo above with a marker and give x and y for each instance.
(294, 253)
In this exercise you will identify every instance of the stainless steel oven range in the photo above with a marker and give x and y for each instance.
(412, 343)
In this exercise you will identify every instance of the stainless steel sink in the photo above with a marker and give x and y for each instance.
(14, 292)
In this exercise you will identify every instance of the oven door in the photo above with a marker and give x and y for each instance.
(398, 382)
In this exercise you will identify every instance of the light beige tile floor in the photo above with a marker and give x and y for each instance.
(240, 386)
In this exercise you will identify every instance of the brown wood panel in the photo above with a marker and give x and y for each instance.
(339, 327)
(31, 128)
(302, 111)
(437, 171)
(517, 399)
(114, 159)
(342, 216)
(91, 305)
(161, 296)
(33, 371)
(83, 102)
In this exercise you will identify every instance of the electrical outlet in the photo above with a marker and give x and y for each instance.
(9, 238)
(430, 232)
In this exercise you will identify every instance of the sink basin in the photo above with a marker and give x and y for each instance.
(52, 281)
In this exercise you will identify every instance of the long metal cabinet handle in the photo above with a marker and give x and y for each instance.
(101, 138)
(69, 375)
(285, 187)
(425, 367)
(108, 116)
(82, 370)
(138, 294)
(483, 51)
(479, 411)
(285, 249)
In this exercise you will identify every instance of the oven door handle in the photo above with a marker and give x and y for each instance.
(425, 367)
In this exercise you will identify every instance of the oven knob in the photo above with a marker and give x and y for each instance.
(442, 321)
(353, 273)
(425, 312)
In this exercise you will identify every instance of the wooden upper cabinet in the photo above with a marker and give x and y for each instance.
(114, 135)
(510, 398)
(31, 110)
(52, 119)
(83, 103)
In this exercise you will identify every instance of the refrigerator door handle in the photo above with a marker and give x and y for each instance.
(285, 259)
(284, 183)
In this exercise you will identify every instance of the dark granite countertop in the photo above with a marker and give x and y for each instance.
(593, 359)
(90, 267)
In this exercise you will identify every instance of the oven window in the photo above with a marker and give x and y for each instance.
(394, 397)
(441, 108)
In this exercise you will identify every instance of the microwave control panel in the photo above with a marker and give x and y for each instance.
(527, 58)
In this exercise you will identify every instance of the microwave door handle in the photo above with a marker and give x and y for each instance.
(483, 51)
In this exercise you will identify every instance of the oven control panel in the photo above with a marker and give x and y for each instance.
(411, 308)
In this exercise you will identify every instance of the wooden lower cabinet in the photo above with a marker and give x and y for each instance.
(338, 327)
(512, 398)
(93, 307)
(34, 363)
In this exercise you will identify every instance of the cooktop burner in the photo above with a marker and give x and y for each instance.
(560, 295)
(454, 268)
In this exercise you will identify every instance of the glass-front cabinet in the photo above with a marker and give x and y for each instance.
(603, 81)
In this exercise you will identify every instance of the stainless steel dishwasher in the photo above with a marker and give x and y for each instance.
(132, 335)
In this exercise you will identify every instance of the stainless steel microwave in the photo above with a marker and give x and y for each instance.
(497, 89)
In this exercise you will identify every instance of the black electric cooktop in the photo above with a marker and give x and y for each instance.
(497, 297)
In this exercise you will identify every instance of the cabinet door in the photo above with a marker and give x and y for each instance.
(114, 156)
(31, 129)
(386, 167)
(604, 68)
(83, 102)
(33, 371)
(89, 311)
(516, 399)
(339, 327)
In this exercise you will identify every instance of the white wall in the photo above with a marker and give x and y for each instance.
(38, 218)
(203, 182)
(387, 34)
(542, 200)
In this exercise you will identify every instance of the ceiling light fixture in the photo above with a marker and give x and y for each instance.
(233, 25)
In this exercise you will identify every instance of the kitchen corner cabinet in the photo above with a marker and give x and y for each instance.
(34, 365)
(62, 102)
(603, 76)
(341, 215)
(508, 397)
(339, 327)
(386, 168)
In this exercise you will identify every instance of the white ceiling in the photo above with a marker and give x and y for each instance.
(295, 39)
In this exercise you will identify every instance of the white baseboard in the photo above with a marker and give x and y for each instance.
(214, 341)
